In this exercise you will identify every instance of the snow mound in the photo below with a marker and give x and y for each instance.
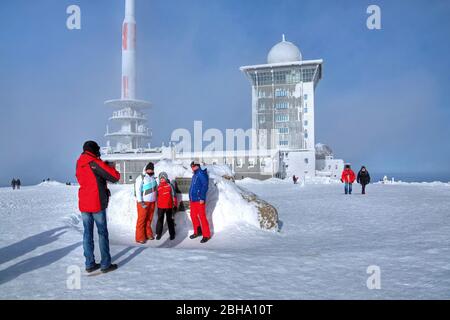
(181, 169)
(320, 180)
(51, 184)
(226, 207)
(173, 169)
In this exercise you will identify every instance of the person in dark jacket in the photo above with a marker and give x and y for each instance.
(18, 183)
(197, 198)
(363, 178)
(13, 183)
(93, 197)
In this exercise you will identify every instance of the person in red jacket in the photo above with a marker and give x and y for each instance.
(93, 197)
(167, 203)
(348, 177)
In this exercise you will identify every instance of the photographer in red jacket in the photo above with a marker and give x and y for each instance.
(93, 196)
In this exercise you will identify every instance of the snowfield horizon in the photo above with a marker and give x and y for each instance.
(329, 247)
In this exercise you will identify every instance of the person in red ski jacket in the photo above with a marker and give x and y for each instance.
(167, 203)
(348, 177)
(93, 196)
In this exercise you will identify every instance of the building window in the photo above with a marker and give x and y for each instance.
(283, 143)
(306, 134)
(281, 105)
(239, 163)
(305, 109)
(262, 106)
(264, 78)
(251, 163)
(281, 93)
(130, 178)
(306, 160)
(305, 96)
(284, 130)
(306, 123)
(262, 118)
(282, 118)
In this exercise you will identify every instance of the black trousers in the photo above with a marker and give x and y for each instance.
(363, 188)
(170, 222)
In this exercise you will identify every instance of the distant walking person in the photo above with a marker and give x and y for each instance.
(93, 197)
(363, 178)
(348, 177)
(145, 191)
(197, 197)
(13, 183)
(294, 179)
(167, 204)
(18, 183)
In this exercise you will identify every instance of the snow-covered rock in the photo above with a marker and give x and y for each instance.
(227, 204)
(51, 183)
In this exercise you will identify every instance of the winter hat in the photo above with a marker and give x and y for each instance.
(150, 166)
(195, 163)
(163, 175)
(92, 147)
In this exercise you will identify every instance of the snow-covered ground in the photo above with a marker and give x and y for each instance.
(327, 241)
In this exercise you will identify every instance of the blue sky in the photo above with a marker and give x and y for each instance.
(383, 100)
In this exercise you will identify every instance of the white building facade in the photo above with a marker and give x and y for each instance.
(283, 105)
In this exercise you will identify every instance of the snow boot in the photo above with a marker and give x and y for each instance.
(198, 234)
(172, 237)
(205, 239)
(158, 237)
(92, 269)
(111, 267)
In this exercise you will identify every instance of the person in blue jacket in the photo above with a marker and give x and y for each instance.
(197, 200)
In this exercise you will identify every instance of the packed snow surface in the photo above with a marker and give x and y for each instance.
(326, 243)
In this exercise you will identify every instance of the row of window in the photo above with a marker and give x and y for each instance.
(279, 93)
(280, 118)
(281, 105)
(293, 76)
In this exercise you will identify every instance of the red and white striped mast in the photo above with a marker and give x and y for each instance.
(133, 131)
(129, 52)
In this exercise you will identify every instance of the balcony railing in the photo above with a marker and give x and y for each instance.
(128, 115)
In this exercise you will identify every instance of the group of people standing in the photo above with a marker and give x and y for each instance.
(348, 177)
(163, 196)
(93, 196)
(15, 183)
